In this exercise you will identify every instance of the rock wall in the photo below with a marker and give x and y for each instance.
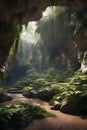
(80, 38)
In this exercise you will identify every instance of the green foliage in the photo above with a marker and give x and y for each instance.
(67, 85)
(55, 75)
(66, 90)
(37, 85)
(36, 80)
(21, 83)
(26, 90)
(5, 117)
(61, 92)
(11, 114)
(40, 83)
(33, 74)
(73, 91)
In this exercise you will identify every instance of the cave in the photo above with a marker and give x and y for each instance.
(53, 70)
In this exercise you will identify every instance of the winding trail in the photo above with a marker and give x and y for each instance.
(60, 122)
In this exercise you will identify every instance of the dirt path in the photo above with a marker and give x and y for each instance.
(60, 122)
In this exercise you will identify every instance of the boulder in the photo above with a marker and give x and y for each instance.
(70, 108)
(32, 94)
(56, 105)
(4, 97)
(45, 93)
(65, 108)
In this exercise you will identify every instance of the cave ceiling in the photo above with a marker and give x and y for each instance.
(31, 10)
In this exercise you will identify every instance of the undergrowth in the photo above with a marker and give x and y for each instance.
(20, 115)
(68, 87)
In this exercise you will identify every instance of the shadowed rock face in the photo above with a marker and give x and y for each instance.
(31, 10)
(23, 10)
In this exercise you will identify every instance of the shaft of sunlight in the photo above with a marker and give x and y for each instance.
(28, 34)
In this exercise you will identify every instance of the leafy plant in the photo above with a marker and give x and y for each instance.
(73, 91)
(26, 89)
(11, 115)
